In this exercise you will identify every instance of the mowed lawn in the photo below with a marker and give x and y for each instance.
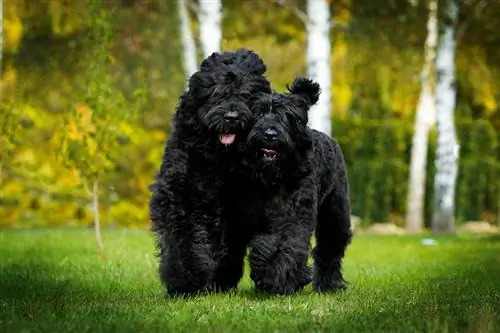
(52, 281)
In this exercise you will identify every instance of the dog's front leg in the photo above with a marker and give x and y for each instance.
(278, 259)
(186, 262)
(186, 265)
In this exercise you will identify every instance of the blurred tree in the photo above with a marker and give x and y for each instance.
(424, 119)
(92, 136)
(447, 150)
(210, 17)
(318, 62)
(188, 44)
(317, 22)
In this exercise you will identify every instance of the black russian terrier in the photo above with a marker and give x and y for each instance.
(298, 184)
(198, 249)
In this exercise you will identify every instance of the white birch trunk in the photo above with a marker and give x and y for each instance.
(318, 62)
(447, 150)
(188, 45)
(425, 118)
(210, 17)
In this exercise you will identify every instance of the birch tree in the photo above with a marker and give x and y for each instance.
(318, 62)
(447, 150)
(210, 16)
(424, 119)
(188, 45)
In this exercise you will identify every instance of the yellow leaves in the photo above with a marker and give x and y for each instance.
(12, 189)
(81, 126)
(84, 113)
(472, 64)
(490, 104)
(73, 132)
(68, 179)
(46, 170)
(13, 27)
(129, 214)
(341, 88)
(8, 83)
(66, 19)
(26, 157)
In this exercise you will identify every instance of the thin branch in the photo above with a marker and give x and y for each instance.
(301, 15)
(86, 188)
(294, 9)
(193, 6)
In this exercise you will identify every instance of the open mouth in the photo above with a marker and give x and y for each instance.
(227, 139)
(269, 154)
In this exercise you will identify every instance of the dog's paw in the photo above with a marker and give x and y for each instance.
(329, 285)
(276, 278)
(276, 269)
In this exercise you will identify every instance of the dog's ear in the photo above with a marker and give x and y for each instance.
(201, 85)
(306, 88)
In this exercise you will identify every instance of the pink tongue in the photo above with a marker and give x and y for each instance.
(227, 139)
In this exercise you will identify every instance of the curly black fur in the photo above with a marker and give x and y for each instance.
(198, 250)
(299, 186)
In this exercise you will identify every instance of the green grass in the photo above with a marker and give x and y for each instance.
(52, 281)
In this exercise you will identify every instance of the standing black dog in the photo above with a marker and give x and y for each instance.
(300, 186)
(187, 213)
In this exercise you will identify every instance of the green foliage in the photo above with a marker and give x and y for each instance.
(377, 154)
(97, 92)
(397, 285)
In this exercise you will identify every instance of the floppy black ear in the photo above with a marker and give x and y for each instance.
(306, 88)
(201, 85)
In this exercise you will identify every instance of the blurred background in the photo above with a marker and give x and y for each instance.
(88, 90)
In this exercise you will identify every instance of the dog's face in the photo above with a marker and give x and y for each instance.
(224, 87)
(280, 129)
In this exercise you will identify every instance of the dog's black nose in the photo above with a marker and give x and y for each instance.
(231, 116)
(271, 134)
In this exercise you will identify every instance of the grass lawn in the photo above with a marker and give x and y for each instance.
(52, 281)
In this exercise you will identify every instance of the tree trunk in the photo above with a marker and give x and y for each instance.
(210, 16)
(447, 150)
(97, 221)
(424, 119)
(188, 45)
(318, 62)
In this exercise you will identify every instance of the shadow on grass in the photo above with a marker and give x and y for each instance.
(37, 296)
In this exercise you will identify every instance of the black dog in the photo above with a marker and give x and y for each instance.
(300, 185)
(187, 214)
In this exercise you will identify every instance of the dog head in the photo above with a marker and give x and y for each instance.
(280, 135)
(220, 92)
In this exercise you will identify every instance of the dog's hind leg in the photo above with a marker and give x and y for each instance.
(333, 235)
